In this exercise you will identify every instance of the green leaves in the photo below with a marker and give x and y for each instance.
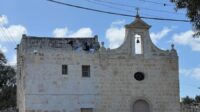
(2, 59)
(197, 99)
(7, 84)
(193, 12)
(191, 101)
(187, 100)
(7, 76)
(8, 97)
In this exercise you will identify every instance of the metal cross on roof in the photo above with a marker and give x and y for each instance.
(137, 9)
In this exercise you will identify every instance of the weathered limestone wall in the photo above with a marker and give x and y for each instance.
(50, 90)
(111, 86)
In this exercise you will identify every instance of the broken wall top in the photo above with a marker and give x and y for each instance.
(67, 43)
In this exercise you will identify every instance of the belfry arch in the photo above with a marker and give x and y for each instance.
(138, 44)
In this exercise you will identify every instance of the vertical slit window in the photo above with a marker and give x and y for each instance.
(64, 69)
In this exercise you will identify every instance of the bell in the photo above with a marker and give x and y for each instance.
(137, 41)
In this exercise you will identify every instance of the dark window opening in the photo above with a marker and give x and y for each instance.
(86, 109)
(86, 71)
(64, 69)
(139, 76)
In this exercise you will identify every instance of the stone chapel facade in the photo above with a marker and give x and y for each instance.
(79, 75)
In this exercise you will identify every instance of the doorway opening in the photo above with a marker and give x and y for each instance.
(141, 106)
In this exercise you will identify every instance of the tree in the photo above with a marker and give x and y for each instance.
(187, 100)
(193, 12)
(7, 84)
(197, 99)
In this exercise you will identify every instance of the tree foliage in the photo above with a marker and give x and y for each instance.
(197, 99)
(7, 84)
(191, 101)
(187, 100)
(193, 12)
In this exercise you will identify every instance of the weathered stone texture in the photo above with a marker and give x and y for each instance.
(111, 87)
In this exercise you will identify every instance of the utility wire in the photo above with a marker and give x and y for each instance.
(133, 6)
(8, 34)
(5, 34)
(114, 13)
(6, 37)
(158, 3)
(109, 6)
(11, 36)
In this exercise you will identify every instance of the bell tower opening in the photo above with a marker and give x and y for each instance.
(138, 44)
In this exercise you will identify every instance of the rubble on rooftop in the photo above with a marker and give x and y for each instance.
(86, 44)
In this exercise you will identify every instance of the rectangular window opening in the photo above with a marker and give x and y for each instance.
(64, 69)
(86, 109)
(85, 70)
